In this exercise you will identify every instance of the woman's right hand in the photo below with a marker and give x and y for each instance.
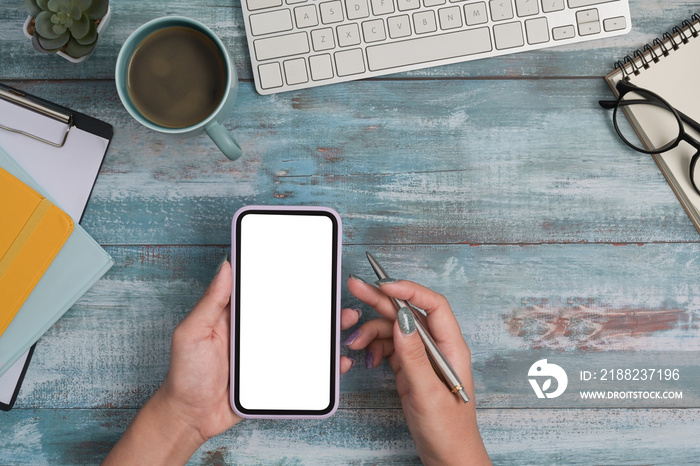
(442, 425)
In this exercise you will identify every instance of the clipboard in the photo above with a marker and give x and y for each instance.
(63, 151)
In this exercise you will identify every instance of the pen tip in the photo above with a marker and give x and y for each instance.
(371, 259)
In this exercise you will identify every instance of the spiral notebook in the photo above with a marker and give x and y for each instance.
(668, 66)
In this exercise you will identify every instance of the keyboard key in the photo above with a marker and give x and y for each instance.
(586, 29)
(274, 21)
(526, 7)
(424, 22)
(357, 9)
(580, 3)
(262, 4)
(501, 10)
(614, 24)
(295, 71)
(294, 2)
(475, 13)
(549, 6)
(382, 7)
(406, 5)
(306, 16)
(322, 39)
(537, 30)
(349, 62)
(373, 30)
(321, 67)
(399, 26)
(587, 16)
(331, 12)
(270, 75)
(348, 34)
(429, 48)
(281, 46)
(429, 3)
(450, 17)
(563, 32)
(508, 35)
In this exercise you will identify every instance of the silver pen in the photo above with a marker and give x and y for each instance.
(438, 361)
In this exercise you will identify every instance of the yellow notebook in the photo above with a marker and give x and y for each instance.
(32, 231)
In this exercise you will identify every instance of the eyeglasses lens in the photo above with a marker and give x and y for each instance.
(660, 124)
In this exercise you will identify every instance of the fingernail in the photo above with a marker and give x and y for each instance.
(355, 277)
(353, 336)
(369, 359)
(359, 312)
(352, 362)
(386, 281)
(407, 323)
(225, 259)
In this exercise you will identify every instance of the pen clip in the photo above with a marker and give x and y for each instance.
(18, 98)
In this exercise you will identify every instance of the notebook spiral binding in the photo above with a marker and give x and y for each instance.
(659, 47)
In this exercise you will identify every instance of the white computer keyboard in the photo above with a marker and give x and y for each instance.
(295, 44)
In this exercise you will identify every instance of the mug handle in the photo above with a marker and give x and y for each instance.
(224, 140)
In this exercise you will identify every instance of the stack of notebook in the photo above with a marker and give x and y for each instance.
(47, 260)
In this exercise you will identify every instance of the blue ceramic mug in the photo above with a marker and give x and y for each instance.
(212, 123)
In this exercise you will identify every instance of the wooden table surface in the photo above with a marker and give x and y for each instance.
(499, 183)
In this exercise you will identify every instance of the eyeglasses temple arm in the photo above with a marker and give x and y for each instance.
(689, 121)
(623, 87)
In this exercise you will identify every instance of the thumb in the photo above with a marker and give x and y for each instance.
(215, 299)
(411, 354)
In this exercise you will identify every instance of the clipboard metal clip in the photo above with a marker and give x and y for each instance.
(18, 98)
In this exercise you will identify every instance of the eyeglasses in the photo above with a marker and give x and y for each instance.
(655, 108)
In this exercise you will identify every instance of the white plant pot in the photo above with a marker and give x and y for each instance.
(101, 27)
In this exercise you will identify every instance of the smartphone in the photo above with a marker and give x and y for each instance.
(285, 312)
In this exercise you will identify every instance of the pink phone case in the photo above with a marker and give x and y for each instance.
(336, 330)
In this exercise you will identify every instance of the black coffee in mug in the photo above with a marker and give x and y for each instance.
(176, 77)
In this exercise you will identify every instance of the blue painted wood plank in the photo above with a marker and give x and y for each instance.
(460, 162)
(66, 436)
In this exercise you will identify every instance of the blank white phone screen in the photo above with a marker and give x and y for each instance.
(285, 311)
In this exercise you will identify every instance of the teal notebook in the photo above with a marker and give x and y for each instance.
(78, 265)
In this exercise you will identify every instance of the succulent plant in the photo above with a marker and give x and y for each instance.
(67, 25)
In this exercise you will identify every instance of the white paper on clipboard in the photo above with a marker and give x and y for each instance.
(10, 379)
(67, 173)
